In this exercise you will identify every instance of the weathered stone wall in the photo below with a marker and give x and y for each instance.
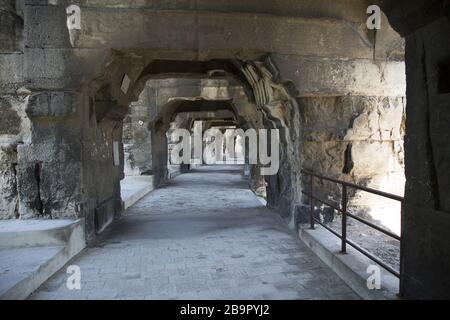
(57, 135)
(137, 136)
(196, 31)
(352, 116)
(357, 139)
(8, 182)
(82, 61)
(50, 163)
(14, 124)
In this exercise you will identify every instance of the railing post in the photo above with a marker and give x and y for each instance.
(311, 213)
(344, 219)
(346, 214)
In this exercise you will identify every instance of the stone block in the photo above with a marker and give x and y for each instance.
(11, 27)
(49, 151)
(324, 157)
(8, 183)
(371, 158)
(14, 125)
(281, 35)
(206, 31)
(61, 68)
(11, 71)
(46, 27)
(10, 118)
(49, 189)
(389, 44)
(105, 28)
(383, 120)
(30, 204)
(334, 77)
(50, 104)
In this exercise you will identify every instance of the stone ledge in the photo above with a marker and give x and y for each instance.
(36, 233)
(350, 267)
(134, 188)
(32, 251)
(27, 269)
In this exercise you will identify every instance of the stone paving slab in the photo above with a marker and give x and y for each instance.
(202, 236)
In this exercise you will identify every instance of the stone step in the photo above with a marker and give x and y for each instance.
(31, 251)
(34, 233)
(134, 188)
(23, 270)
(350, 267)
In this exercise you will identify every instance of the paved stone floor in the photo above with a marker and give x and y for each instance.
(202, 236)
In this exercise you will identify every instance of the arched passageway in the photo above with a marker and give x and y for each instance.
(204, 235)
(335, 89)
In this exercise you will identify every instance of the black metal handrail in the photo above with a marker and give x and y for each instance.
(343, 210)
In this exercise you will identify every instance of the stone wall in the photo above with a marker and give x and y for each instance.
(357, 139)
(275, 57)
(14, 124)
(137, 137)
(8, 182)
(426, 220)
(50, 163)
(62, 103)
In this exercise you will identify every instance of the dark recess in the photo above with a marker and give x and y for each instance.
(444, 77)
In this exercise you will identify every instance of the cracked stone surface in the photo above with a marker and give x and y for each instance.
(204, 235)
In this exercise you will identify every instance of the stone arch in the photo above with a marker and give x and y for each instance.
(269, 96)
(61, 98)
(247, 112)
(85, 65)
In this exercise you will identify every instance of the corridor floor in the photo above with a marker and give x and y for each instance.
(202, 236)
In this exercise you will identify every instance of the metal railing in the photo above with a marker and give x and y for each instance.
(346, 214)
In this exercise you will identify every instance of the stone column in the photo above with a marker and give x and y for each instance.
(159, 153)
(426, 218)
(49, 172)
(14, 124)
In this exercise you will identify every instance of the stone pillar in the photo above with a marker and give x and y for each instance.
(257, 182)
(14, 124)
(103, 164)
(426, 219)
(159, 154)
(49, 172)
(426, 242)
